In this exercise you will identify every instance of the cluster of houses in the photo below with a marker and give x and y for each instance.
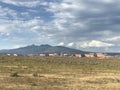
(12, 55)
(88, 55)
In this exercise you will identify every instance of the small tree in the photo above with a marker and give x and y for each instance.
(14, 74)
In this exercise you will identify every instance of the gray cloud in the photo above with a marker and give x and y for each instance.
(73, 22)
(91, 20)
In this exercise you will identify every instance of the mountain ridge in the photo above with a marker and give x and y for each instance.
(42, 49)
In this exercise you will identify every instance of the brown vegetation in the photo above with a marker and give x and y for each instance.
(58, 73)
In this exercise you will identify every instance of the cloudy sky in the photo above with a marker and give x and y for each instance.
(90, 25)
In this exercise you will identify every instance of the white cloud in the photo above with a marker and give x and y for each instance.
(107, 1)
(95, 43)
(61, 44)
(5, 12)
(64, 15)
(69, 21)
(16, 46)
(27, 3)
(6, 26)
(115, 38)
(69, 6)
(70, 44)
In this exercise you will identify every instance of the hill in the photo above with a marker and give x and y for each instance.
(34, 49)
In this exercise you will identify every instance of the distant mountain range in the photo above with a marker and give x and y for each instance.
(42, 49)
(45, 49)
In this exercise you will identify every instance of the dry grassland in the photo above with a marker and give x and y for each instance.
(58, 73)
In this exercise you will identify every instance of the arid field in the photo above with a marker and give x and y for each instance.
(58, 73)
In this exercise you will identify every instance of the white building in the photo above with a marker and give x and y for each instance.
(8, 54)
(90, 55)
(78, 55)
(15, 54)
(101, 55)
(42, 55)
(53, 54)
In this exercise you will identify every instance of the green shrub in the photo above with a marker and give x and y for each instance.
(14, 74)
(35, 74)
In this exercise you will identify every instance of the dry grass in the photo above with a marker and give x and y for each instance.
(57, 73)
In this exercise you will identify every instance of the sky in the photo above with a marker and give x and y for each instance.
(89, 25)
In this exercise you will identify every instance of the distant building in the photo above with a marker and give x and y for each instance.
(8, 54)
(101, 55)
(53, 54)
(108, 56)
(65, 54)
(15, 54)
(90, 55)
(42, 55)
(78, 55)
